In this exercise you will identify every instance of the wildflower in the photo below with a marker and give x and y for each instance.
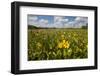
(64, 41)
(60, 45)
(39, 45)
(64, 32)
(63, 44)
(62, 36)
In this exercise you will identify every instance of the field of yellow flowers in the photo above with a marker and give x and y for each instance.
(53, 44)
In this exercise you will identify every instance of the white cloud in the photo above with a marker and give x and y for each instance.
(43, 23)
(59, 22)
(65, 20)
(32, 20)
(60, 19)
(78, 22)
(81, 21)
(57, 18)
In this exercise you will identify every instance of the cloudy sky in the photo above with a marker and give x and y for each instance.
(57, 21)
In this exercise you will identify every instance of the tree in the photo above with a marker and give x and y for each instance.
(84, 27)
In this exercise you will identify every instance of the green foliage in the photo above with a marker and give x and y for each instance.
(84, 27)
(32, 27)
(43, 44)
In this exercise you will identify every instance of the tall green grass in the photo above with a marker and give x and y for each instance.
(52, 44)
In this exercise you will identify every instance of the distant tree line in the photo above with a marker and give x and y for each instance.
(34, 27)
(84, 27)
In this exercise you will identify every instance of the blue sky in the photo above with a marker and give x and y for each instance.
(57, 21)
